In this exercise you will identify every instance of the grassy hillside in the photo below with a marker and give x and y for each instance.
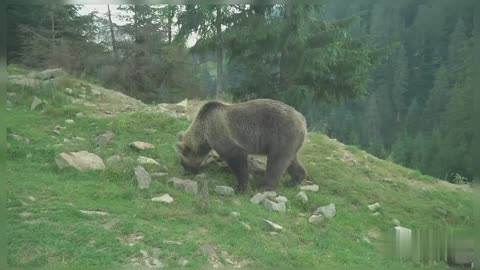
(46, 227)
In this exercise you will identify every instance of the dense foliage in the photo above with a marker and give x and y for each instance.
(395, 78)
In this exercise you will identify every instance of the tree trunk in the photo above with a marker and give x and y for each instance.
(218, 27)
(112, 34)
(52, 22)
(171, 13)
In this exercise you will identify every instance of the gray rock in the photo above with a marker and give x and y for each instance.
(17, 138)
(143, 178)
(281, 199)
(258, 198)
(113, 160)
(185, 185)
(68, 91)
(327, 211)
(94, 213)
(25, 214)
(315, 219)
(234, 214)
(396, 222)
(150, 130)
(146, 160)
(79, 115)
(275, 226)
(313, 188)
(35, 103)
(376, 214)
(70, 121)
(141, 145)
(82, 161)
(302, 196)
(279, 207)
(246, 226)
(105, 138)
(48, 74)
(165, 198)
(374, 207)
(257, 164)
(224, 190)
(182, 262)
(441, 211)
(271, 194)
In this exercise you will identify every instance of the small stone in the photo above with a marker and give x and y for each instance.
(234, 214)
(246, 226)
(15, 137)
(376, 214)
(396, 222)
(144, 253)
(279, 207)
(81, 161)
(115, 159)
(281, 199)
(374, 207)
(441, 211)
(79, 115)
(185, 185)
(156, 263)
(269, 194)
(143, 178)
(35, 103)
(313, 188)
(92, 213)
(302, 196)
(201, 176)
(327, 211)
(105, 138)
(315, 219)
(69, 91)
(274, 225)
(146, 160)
(258, 198)
(150, 130)
(165, 198)
(366, 240)
(224, 190)
(141, 145)
(25, 214)
(31, 198)
(69, 121)
(182, 262)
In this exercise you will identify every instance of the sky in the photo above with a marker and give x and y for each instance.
(102, 11)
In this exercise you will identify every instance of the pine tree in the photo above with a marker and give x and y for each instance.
(414, 114)
(400, 82)
(457, 53)
(435, 107)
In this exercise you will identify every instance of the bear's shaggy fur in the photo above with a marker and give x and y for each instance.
(262, 126)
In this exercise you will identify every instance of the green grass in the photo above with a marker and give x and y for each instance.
(57, 234)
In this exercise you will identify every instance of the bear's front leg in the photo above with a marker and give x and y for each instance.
(237, 160)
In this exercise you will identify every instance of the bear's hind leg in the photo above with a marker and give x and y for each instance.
(276, 166)
(297, 172)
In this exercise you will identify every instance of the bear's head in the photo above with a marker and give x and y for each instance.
(190, 158)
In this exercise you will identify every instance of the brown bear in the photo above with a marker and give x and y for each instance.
(262, 127)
